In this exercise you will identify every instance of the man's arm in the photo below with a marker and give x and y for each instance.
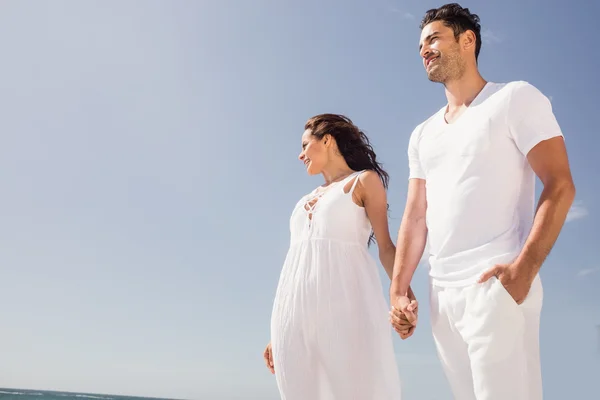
(549, 161)
(536, 133)
(412, 238)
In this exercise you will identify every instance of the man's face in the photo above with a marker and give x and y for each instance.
(441, 52)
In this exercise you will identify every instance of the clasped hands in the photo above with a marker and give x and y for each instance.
(404, 315)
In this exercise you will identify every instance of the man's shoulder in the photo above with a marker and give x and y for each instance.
(522, 88)
(505, 88)
(511, 85)
(522, 95)
(516, 95)
(423, 125)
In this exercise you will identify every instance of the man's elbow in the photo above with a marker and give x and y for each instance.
(564, 188)
(569, 191)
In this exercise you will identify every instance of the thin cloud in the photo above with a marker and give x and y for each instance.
(577, 211)
(404, 14)
(586, 272)
(395, 8)
(489, 36)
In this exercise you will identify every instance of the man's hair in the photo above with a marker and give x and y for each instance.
(458, 18)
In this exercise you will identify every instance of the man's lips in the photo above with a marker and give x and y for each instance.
(430, 60)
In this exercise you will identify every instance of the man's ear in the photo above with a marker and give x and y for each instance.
(468, 40)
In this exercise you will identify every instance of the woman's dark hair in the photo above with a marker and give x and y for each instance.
(458, 18)
(352, 143)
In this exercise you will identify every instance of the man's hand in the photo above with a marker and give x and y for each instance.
(513, 278)
(404, 315)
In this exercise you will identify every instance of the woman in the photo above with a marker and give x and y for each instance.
(330, 334)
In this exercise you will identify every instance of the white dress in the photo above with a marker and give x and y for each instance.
(330, 333)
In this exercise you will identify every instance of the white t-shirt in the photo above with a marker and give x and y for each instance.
(480, 187)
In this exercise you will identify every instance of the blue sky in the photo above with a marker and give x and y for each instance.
(149, 168)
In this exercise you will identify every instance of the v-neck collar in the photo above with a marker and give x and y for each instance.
(473, 103)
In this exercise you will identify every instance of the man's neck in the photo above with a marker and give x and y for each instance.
(461, 92)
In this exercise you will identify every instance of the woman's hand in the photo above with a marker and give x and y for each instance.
(268, 356)
(404, 315)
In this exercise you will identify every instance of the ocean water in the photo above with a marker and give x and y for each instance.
(22, 394)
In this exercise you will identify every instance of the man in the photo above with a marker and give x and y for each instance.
(471, 189)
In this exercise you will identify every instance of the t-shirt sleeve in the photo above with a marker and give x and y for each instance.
(414, 163)
(530, 117)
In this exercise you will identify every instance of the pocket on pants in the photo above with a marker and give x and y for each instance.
(493, 324)
(503, 293)
(532, 300)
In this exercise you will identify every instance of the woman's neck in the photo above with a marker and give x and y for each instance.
(335, 173)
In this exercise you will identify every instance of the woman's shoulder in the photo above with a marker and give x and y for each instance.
(369, 178)
(368, 183)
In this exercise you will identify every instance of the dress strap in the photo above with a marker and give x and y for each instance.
(355, 175)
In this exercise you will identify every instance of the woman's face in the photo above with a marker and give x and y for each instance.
(314, 152)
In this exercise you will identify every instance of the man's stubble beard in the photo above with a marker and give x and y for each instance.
(450, 67)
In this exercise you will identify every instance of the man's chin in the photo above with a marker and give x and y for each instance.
(434, 75)
(435, 78)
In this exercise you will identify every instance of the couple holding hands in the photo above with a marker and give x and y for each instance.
(471, 192)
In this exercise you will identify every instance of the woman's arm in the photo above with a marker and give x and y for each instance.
(370, 194)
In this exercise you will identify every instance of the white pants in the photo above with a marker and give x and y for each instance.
(488, 344)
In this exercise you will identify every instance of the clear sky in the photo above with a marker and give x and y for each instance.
(148, 170)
